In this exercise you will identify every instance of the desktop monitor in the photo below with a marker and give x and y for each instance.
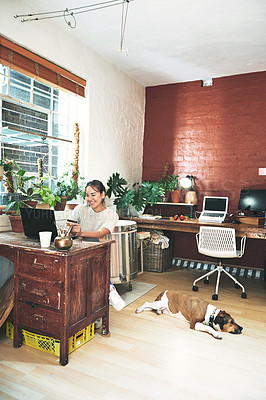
(252, 200)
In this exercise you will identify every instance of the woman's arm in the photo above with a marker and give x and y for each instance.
(97, 234)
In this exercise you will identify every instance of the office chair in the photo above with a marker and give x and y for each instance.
(220, 243)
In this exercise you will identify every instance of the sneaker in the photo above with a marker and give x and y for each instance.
(115, 299)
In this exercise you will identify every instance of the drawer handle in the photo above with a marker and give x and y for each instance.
(38, 317)
(33, 305)
(38, 292)
(38, 265)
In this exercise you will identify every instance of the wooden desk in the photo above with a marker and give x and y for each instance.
(58, 293)
(192, 226)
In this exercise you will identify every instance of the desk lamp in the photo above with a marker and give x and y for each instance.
(191, 194)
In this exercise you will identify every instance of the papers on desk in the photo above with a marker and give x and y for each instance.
(150, 216)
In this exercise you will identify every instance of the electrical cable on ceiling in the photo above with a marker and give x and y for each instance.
(72, 11)
(123, 27)
(69, 15)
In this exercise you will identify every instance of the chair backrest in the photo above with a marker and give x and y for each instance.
(217, 242)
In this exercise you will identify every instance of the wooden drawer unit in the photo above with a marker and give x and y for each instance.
(58, 293)
(40, 292)
(41, 266)
(35, 317)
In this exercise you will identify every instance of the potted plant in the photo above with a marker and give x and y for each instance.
(19, 196)
(170, 186)
(46, 197)
(117, 186)
(67, 187)
(141, 194)
(147, 192)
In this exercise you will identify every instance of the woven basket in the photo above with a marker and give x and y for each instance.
(156, 259)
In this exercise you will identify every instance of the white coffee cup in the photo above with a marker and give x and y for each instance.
(45, 238)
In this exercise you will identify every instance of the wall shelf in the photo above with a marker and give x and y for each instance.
(164, 212)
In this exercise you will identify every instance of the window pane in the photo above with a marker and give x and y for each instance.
(42, 95)
(20, 86)
(60, 126)
(3, 79)
(24, 119)
(60, 102)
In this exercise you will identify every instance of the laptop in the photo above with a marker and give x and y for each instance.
(35, 220)
(214, 209)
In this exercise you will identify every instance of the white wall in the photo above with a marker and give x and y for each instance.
(111, 118)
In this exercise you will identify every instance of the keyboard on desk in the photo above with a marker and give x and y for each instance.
(216, 215)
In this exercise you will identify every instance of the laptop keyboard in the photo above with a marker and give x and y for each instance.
(216, 215)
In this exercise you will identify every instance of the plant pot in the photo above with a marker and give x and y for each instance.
(175, 196)
(166, 197)
(71, 206)
(43, 206)
(61, 206)
(31, 204)
(16, 223)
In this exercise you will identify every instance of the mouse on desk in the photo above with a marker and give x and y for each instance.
(235, 221)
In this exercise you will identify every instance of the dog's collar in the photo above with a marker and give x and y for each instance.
(211, 314)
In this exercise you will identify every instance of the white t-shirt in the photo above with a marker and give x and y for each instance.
(90, 220)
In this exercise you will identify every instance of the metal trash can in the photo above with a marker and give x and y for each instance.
(124, 253)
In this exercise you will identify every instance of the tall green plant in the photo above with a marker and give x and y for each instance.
(139, 195)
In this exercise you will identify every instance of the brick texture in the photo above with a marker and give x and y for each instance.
(216, 134)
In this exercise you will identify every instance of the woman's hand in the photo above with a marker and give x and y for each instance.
(76, 228)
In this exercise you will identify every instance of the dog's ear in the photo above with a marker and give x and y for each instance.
(221, 319)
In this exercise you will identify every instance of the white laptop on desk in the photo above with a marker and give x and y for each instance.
(214, 209)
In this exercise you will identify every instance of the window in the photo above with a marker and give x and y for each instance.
(34, 121)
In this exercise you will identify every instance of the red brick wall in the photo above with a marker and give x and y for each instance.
(217, 134)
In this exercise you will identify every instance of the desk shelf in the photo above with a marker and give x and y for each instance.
(167, 209)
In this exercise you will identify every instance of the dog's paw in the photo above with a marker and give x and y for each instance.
(217, 335)
(138, 310)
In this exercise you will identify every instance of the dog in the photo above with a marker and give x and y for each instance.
(201, 315)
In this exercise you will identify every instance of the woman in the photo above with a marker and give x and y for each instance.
(94, 220)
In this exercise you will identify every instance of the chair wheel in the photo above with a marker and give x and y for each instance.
(195, 288)
(206, 281)
(215, 296)
(244, 295)
(237, 286)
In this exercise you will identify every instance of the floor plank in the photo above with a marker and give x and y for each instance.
(150, 356)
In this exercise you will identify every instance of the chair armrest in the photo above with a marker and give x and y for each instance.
(243, 244)
(197, 239)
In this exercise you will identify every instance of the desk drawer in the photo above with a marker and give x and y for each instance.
(39, 292)
(38, 318)
(41, 266)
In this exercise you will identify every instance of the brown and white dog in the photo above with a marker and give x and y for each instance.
(201, 315)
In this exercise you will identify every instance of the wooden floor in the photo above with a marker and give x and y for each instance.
(150, 356)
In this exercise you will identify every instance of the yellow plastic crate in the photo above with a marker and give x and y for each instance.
(49, 344)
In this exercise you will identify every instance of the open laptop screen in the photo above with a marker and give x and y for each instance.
(215, 204)
(35, 220)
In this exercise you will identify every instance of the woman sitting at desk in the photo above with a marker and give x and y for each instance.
(94, 220)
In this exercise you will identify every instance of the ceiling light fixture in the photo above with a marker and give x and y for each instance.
(69, 15)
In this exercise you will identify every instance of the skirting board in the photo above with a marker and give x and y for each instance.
(235, 270)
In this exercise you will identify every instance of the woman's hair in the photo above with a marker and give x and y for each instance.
(97, 185)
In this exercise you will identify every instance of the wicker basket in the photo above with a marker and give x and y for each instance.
(156, 259)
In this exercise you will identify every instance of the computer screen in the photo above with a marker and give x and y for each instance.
(35, 220)
(252, 200)
(215, 204)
